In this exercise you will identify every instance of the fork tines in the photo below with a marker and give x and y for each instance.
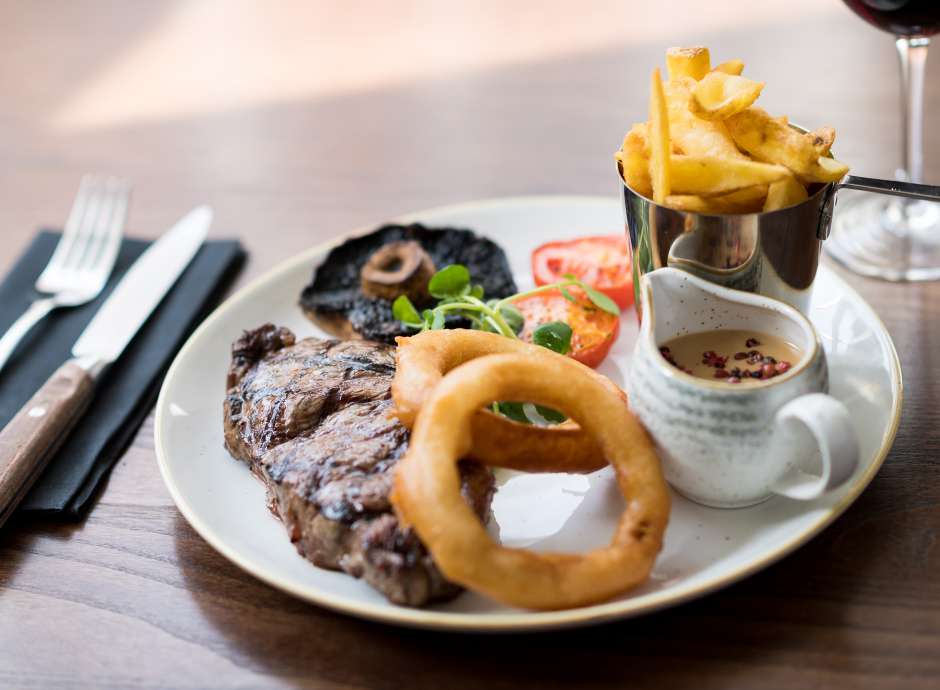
(92, 235)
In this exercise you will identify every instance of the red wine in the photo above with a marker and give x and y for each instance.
(900, 17)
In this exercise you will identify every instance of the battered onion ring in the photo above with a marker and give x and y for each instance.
(427, 486)
(423, 359)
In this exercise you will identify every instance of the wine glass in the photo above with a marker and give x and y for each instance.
(891, 238)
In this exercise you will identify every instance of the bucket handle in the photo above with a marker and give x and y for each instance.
(925, 192)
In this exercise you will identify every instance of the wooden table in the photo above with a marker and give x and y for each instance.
(299, 122)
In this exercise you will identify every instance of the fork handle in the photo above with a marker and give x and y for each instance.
(30, 438)
(23, 325)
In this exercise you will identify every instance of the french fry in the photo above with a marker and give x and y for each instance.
(660, 145)
(708, 149)
(719, 95)
(783, 193)
(825, 170)
(823, 139)
(634, 160)
(687, 62)
(693, 203)
(710, 175)
(690, 134)
(734, 67)
(772, 140)
(746, 200)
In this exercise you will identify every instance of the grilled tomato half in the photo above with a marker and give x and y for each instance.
(603, 262)
(594, 331)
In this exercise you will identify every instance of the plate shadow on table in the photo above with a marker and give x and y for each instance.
(797, 605)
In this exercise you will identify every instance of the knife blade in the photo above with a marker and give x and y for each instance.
(142, 288)
(30, 438)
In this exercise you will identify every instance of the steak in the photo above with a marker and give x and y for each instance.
(312, 418)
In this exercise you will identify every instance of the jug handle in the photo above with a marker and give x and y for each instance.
(924, 192)
(827, 421)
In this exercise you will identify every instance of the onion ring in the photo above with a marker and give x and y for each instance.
(423, 359)
(427, 486)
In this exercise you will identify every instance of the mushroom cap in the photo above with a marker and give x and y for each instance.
(335, 301)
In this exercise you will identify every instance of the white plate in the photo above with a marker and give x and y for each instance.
(705, 548)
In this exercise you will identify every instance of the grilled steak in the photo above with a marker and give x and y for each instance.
(335, 299)
(312, 420)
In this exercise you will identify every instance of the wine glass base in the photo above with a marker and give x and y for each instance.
(886, 238)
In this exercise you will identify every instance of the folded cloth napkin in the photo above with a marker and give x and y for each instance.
(127, 390)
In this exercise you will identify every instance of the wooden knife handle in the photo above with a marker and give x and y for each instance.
(30, 438)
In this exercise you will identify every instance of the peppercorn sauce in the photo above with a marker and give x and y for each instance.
(731, 356)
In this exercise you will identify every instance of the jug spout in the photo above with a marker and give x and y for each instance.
(670, 297)
(677, 303)
(665, 280)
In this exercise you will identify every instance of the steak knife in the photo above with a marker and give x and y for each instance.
(33, 435)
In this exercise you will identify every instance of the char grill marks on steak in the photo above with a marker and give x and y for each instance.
(313, 420)
(279, 389)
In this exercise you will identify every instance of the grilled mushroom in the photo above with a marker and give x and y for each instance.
(349, 300)
(398, 268)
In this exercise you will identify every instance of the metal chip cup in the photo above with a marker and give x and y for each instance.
(775, 254)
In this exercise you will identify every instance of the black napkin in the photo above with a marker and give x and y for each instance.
(127, 390)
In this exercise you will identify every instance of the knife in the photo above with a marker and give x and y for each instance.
(32, 436)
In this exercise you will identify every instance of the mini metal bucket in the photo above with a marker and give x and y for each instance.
(775, 254)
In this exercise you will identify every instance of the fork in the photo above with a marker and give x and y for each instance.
(83, 258)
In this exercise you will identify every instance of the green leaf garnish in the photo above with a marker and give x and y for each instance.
(404, 311)
(553, 416)
(532, 414)
(601, 301)
(556, 336)
(459, 298)
(512, 410)
(450, 281)
(523, 413)
(513, 317)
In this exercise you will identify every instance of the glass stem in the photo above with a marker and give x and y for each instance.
(913, 56)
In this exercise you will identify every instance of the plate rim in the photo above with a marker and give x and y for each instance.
(499, 622)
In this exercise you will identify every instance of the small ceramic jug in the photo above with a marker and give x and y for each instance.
(731, 445)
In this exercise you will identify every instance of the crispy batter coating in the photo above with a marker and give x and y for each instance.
(427, 486)
(422, 361)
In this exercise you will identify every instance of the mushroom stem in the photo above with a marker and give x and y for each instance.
(398, 268)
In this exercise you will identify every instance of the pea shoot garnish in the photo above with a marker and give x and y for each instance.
(458, 296)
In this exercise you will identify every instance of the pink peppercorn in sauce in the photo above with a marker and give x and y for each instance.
(731, 356)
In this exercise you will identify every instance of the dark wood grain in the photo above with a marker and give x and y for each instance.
(369, 111)
(28, 440)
